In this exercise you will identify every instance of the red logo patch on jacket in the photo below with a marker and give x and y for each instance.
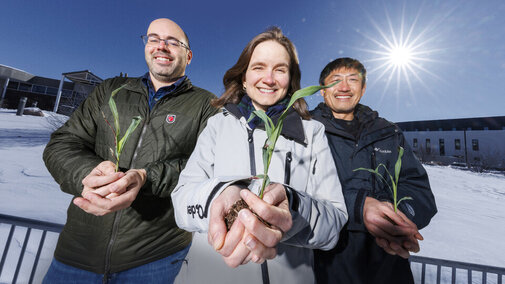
(170, 118)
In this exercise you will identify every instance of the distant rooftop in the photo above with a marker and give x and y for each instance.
(477, 123)
(14, 73)
(83, 77)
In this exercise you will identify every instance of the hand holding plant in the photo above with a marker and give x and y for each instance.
(394, 182)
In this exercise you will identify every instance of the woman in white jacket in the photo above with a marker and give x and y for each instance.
(304, 191)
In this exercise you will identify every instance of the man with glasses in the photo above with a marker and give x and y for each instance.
(374, 245)
(120, 226)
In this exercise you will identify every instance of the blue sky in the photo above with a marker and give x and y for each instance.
(457, 65)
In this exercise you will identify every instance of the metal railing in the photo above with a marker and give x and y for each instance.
(45, 227)
(30, 225)
(454, 265)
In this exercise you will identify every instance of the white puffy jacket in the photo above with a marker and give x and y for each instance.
(301, 160)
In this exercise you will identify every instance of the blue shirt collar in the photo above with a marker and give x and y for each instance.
(155, 96)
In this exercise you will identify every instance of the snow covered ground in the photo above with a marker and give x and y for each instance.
(469, 226)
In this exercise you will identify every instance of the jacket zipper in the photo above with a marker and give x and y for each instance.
(115, 229)
(287, 169)
(264, 266)
(118, 214)
(251, 151)
(373, 161)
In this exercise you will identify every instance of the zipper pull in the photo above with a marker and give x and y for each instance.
(250, 136)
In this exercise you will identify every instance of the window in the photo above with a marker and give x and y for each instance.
(414, 143)
(441, 146)
(25, 87)
(39, 89)
(428, 146)
(66, 93)
(13, 85)
(475, 144)
(52, 91)
(457, 144)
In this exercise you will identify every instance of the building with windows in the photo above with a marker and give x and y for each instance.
(45, 92)
(473, 142)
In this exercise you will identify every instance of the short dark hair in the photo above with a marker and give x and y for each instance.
(343, 62)
(232, 79)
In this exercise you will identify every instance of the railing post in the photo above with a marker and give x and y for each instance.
(37, 257)
(453, 279)
(7, 245)
(21, 255)
(423, 273)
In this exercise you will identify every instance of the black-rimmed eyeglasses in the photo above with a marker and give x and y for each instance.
(155, 40)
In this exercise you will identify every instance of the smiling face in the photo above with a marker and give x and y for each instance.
(344, 96)
(166, 63)
(267, 77)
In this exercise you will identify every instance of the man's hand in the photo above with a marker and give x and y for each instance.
(394, 232)
(102, 175)
(100, 198)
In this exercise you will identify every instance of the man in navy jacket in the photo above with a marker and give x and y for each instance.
(375, 244)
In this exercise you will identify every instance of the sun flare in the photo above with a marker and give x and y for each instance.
(400, 56)
(401, 52)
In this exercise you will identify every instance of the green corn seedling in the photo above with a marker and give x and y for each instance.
(274, 131)
(118, 141)
(394, 182)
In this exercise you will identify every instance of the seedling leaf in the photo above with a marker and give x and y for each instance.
(394, 182)
(119, 143)
(135, 122)
(274, 130)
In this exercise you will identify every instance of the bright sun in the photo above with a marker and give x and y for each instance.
(400, 52)
(400, 56)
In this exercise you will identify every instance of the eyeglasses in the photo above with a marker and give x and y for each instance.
(350, 79)
(154, 40)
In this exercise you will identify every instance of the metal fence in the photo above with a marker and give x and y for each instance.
(469, 268)
(439, 264)
(29, 225)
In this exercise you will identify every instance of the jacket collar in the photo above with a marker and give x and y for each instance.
(136, 85)
(369, 121)
(323, 114)
(292, 128)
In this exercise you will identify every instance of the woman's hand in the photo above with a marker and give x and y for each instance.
(249, 239)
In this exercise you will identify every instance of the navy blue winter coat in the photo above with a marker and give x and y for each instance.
(357, 258)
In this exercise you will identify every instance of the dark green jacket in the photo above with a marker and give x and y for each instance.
(161, 144)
